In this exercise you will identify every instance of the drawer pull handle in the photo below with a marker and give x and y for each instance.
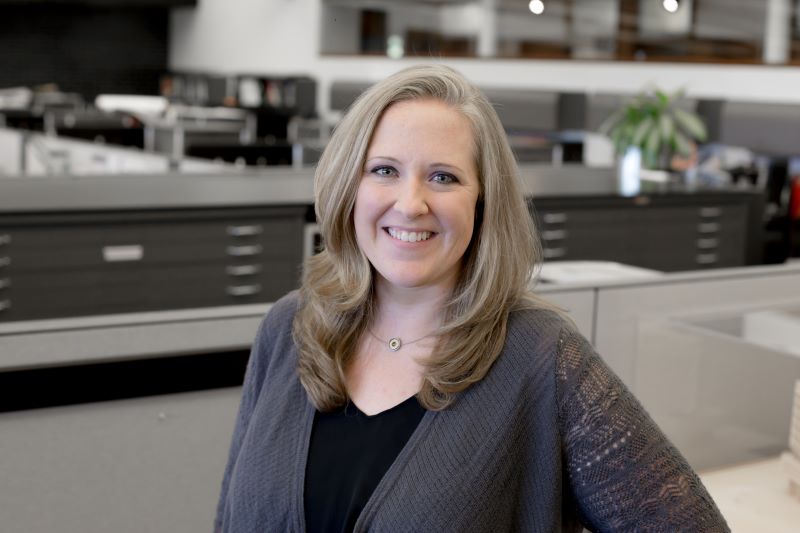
(710, 211)
(5, 261)
(554, 234)
(705, 244)
(4, 283)
(552, 253)
(554, 218)
(242, 270)
(244, 290)
(708, 227)
(244, 231)
(240, 251)
(706, 259)
(5, 304)
(5, 238)
(120, 254)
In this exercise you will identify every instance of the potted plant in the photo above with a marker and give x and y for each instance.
(653, 123)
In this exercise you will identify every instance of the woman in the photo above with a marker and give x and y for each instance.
(414, 383)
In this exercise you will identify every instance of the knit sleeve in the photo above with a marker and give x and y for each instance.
(251, 388)
(622, 472)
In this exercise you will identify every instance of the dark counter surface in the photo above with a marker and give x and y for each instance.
(78, 193)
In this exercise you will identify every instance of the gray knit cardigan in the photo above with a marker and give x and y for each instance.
(550, 440)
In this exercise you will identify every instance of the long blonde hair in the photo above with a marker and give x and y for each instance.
(337, 300)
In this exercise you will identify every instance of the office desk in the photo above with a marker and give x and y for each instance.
(754, 497)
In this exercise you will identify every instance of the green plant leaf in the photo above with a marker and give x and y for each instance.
(662, 98)
(642, 130)
(653, 143)
(649, 159)
(691, 123)
(667, 126)
(652, 121)
(683, 144)
(616, 138)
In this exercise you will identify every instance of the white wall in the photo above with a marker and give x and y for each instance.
(725, 19)
(596, 17)
(548, 26)
(282, 37)
(402, 17)
(461, 20)
(254, 36)
(343, 36)
(655, 20)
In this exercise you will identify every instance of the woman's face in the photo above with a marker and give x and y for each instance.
(415, 206)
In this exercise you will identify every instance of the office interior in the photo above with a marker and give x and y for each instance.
(156, 195)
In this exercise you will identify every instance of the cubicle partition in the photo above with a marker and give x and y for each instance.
(713, 355)
(701, 352)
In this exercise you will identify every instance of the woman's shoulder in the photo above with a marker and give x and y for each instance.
(284, 309)
(279, 319)
(539, 324)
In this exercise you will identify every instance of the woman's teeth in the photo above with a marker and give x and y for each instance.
(410, 236)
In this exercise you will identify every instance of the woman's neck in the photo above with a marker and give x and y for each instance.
(408, 312)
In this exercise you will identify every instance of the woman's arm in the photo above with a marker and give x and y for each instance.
(253, 381)
(623, 473)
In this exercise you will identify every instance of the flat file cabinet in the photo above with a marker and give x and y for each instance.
(662, 232)
(57, 265)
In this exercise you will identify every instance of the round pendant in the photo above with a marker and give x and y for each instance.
(395, 344)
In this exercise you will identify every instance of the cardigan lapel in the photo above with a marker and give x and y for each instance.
(303, 442)
(395, 472)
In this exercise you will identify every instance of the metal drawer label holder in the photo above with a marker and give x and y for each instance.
(118, 254)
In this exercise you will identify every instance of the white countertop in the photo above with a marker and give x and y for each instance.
(755, 497)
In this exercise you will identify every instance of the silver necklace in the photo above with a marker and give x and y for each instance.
(395, 343)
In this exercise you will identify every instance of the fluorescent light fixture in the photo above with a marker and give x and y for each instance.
(671, 5)
(536, 7)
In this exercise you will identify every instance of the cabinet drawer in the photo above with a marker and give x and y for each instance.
(86, 247)
(41, 295)
(663, 237)
(147, 261)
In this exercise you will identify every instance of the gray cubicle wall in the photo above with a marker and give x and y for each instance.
(518, 109)
(720, 397)
(127, 466)
(761, 127)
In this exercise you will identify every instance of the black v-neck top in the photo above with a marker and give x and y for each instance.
(348, 455)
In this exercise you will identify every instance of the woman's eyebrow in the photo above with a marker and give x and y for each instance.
(447, 165)
(384, 157)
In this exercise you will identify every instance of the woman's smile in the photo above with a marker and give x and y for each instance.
(411, 236)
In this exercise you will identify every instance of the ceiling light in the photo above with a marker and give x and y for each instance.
(536, 7)
(669, 5)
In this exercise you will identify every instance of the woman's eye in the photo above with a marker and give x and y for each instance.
(383, 171)
(444, 178)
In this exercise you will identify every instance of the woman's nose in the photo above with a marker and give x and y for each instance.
(411, 198)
